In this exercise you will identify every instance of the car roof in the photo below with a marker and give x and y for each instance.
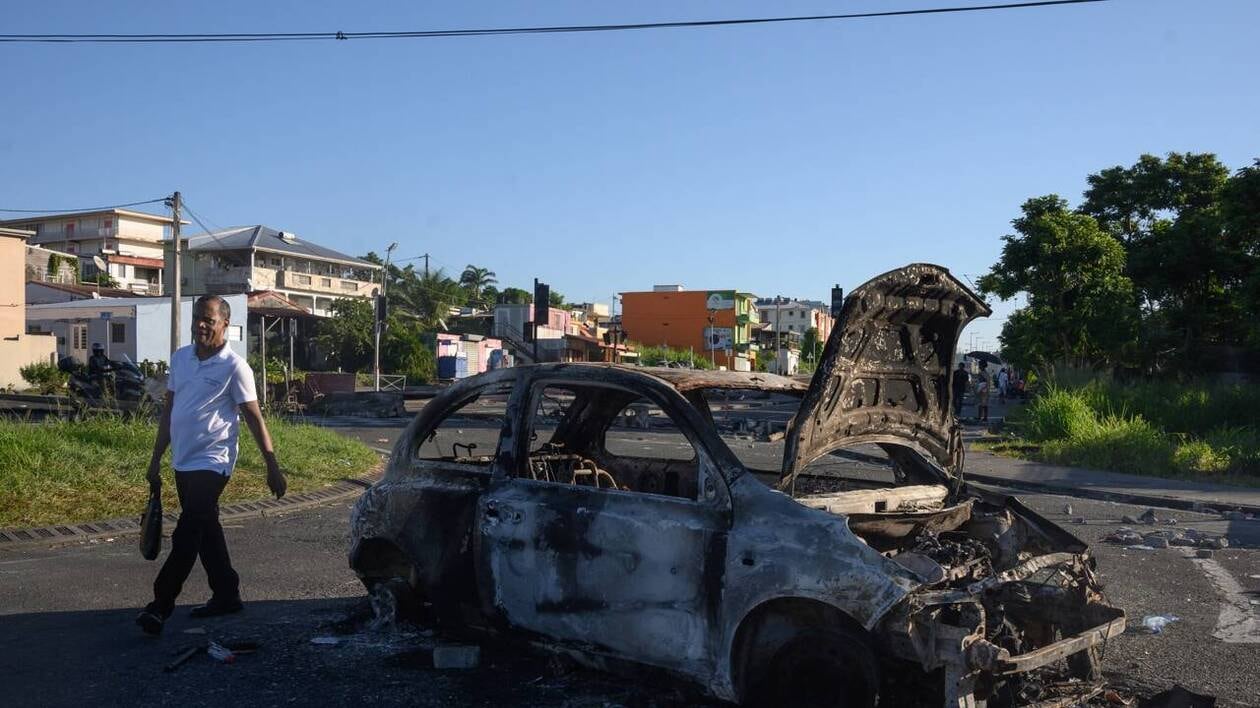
(692, 379)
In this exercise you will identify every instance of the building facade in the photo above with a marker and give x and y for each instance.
(131, 243)
(797, 316)
(717, 324)
(252, 258)
(138, 327)
(17, 347)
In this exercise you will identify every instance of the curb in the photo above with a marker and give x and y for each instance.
(63, 534)
(1100, 495)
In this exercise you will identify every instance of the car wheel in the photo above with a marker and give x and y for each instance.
(821, 668)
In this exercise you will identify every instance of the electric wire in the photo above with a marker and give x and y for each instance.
(69, 211)
(504, 31)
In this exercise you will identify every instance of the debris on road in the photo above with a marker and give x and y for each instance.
(220, 653)
(325, 641)
(1067, 509)
(1129, 519)
(1204, 553)
(182, 657)
(1148, 517)
(1155, 624)
(195, 630)
(1125, 537)
(1234, 515)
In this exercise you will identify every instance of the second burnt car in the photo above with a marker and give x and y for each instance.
(598, 510)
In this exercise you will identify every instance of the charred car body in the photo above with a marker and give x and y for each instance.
(780, 584)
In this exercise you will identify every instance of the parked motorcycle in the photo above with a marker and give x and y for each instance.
(123, 380)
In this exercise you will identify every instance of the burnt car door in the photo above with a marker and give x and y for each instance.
(568, 551)
(884, 376)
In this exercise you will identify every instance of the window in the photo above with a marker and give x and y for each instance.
(302, 279)
(469, 435)
(78, 336)
(325, 282)
(348, 285)
(609, 438)
(107, 223)
(69, 230)
(275, 262)
(117, 333)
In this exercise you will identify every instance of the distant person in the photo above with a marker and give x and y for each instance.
(983, 386)
(208, 386)
(1003, 381)
(99, 367)
(958, 386)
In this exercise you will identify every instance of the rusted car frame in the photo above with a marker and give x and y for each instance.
(741, 580)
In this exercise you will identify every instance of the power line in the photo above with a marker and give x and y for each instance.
(67, 211)
(500, 31)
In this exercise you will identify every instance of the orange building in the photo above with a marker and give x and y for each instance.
(712, 323)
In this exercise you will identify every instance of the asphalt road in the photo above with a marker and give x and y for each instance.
(67, 638)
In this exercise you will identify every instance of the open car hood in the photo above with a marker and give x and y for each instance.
(885, 371)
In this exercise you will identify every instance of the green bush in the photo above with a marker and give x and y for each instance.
(1155, 428)
(44, 376)
(664, 356)
(1058, 413)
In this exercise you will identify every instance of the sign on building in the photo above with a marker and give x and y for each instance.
(721, 300)
(718, 338)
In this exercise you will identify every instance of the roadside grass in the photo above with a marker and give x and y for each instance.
(73, 471)
(1191, 431)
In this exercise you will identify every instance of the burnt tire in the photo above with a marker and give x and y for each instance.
(820, 668)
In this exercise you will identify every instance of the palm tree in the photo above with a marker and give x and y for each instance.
(426, 297)
(475, 279)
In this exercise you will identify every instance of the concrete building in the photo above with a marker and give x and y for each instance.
(50, 266)
(138, 327)
(17, 347)
(130, 243)
(798, 316)
(716, 324)
(250, 258)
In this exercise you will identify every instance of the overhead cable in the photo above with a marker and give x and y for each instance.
(499, 31)
(68, 211)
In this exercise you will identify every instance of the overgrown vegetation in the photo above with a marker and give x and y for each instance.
(1160, 428)
(665, 356)
(45, 377)
(68, 471)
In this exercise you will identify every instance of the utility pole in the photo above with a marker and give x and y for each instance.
(778, 345)
(176, 255)
(380, 311)
(426, 263)
(712, 343)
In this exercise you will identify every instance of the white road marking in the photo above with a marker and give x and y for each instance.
(1237, 624)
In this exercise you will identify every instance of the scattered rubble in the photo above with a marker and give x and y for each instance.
(1178, 697)
(1234, 515)
(1067, 509)
(325, 641)
(1187, 538)
(1155, 624)
(1148, 517)
(1204, 553)
(1129, 519)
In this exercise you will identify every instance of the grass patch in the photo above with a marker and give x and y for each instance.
(1190, 431)
(71, 471)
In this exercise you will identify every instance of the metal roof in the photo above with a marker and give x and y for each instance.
(265, 238)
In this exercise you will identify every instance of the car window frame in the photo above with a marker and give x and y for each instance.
(709, 465)
(426, 425)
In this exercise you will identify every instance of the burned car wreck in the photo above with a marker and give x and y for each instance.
(514, 502)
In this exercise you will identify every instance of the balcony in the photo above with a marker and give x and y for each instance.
(290, 279)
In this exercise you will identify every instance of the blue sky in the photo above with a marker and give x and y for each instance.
(775, 159)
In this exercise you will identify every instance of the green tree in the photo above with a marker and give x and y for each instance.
(555, 299)
(348, 336)
(426, 298)
(1186, 273)
(1080, 304)
(103, 279)
(475, 280)
(811, 346)
(515, 296)
(1240, 212)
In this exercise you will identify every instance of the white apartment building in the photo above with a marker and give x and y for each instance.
(795, 316)
(130, 243)
(250, 258)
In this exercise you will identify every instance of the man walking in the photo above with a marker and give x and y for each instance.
(958, 387)
(207, 386)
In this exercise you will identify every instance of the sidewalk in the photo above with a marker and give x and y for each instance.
(988, 468)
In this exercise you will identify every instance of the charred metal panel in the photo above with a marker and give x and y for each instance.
(634, 575)
(884, 375)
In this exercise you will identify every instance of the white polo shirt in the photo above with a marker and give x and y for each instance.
(205, 420)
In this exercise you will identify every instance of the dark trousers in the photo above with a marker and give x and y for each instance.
(958, 401)
(197, 533)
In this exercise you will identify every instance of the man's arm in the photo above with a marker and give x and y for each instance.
(258, 427)
(162, 442)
